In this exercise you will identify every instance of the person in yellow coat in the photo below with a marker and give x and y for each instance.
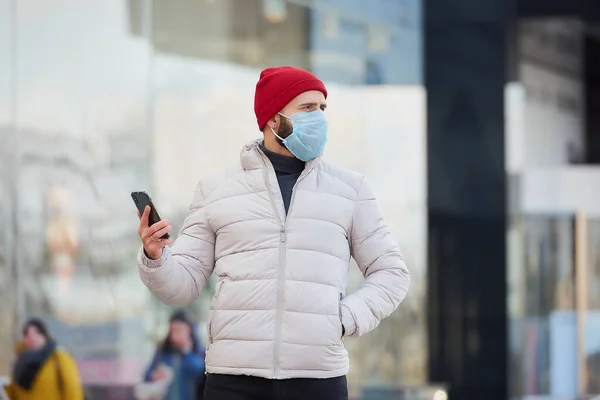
(42, 370)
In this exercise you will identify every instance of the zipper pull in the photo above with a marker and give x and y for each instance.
(282, 235)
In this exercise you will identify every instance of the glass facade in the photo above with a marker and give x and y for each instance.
(101, 98)
(592, 348)
(552, 253)
(543, 276)
(554, 317)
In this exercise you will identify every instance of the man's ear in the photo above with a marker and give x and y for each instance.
(274, 122)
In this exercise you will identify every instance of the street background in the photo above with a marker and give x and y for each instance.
(102, 98)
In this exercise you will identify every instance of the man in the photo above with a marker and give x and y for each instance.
(279, 231)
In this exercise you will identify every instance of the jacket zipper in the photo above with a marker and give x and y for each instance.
(282, 253)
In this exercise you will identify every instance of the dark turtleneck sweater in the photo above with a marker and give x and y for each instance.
(287, 170)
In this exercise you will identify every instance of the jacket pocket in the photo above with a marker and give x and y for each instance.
(215, 305)
(219, 285)
(341, 332)
(210, 337)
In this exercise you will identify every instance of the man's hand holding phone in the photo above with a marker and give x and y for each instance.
(151, 235)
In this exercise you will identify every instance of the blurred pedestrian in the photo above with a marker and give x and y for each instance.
(279, 230)
(43, 371)
(180, 358)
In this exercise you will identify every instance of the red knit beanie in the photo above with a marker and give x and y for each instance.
(277, 87)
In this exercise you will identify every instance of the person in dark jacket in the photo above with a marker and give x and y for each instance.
(182, 352)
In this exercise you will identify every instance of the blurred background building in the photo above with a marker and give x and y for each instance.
(477, 123)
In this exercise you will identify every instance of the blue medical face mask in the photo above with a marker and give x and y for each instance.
(308, 136)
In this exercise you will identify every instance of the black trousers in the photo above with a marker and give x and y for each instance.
(242, 387)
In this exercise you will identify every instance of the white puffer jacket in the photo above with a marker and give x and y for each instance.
(280, 302)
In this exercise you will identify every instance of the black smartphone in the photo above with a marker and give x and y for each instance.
(141, 200)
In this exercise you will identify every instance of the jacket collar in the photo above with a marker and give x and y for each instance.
(252, 157)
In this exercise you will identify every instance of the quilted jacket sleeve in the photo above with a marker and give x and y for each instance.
(179, 275)
(381, 263)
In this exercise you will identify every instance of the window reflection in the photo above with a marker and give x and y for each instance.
(544, 321)
(6, 293)
(593, 290)
(83, 146)
(62, 236)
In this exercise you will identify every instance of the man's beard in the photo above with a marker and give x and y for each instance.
(285, 129)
